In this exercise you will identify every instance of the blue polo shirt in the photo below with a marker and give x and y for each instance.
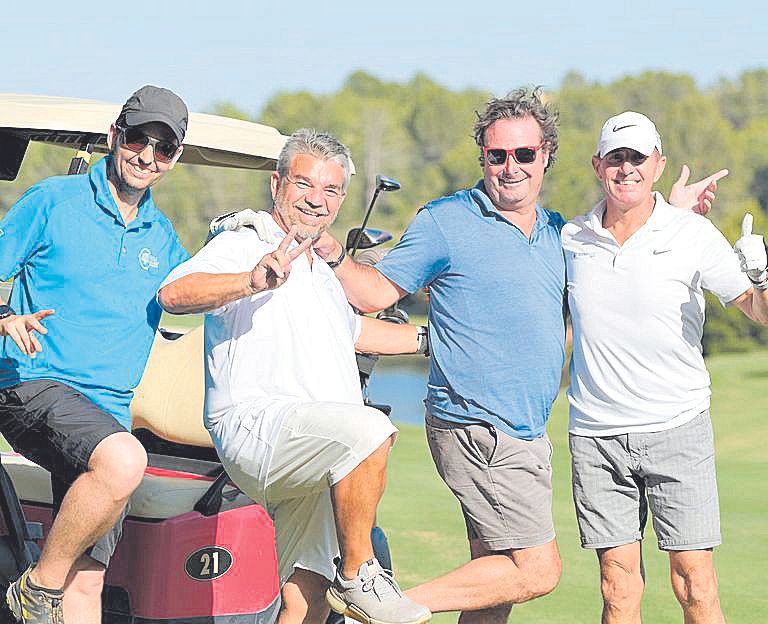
(496, 321)
(68, 248)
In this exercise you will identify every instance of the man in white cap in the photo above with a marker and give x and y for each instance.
(640, 430)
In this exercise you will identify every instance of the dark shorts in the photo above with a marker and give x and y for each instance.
(504, 484)
(58, 428)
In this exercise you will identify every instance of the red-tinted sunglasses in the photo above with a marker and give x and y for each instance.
(521, 155)
(136, 141)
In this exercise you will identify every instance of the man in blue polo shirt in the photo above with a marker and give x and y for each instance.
(493, 261)
(87, 253)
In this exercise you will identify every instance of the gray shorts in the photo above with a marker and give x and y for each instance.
(617, 479)
(504, 484)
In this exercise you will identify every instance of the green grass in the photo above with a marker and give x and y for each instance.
(427, 536)
(188, 321)
(181, 321)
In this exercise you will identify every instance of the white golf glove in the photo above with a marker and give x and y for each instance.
(260, 221)
(752, 255)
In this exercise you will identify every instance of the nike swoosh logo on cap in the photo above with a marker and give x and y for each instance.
(616, 129)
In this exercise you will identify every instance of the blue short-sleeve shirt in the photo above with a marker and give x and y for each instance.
(497, 328)
(66, 245)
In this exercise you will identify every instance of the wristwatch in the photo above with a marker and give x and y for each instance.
(6, 311)
(422, 335)
(334, 263)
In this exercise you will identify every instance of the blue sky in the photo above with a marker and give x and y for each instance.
(244, 52)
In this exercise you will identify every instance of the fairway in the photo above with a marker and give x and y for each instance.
(427, 535)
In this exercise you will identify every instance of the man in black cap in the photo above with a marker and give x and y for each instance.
(94, 249)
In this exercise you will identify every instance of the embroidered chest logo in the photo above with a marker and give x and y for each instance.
(147, 260)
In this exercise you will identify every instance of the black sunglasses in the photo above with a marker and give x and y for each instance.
(136, 141)
(521, 155)
(617, 157)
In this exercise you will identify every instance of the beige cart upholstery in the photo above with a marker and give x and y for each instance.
(169, 399)
(168, 402)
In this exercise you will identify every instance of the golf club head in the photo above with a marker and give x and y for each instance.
(370, 237)
(383, 183)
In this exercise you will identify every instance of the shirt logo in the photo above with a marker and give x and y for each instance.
(147, 261)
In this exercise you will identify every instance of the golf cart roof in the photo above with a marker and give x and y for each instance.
(210, 139)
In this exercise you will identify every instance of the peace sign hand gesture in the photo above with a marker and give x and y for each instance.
(274, 268)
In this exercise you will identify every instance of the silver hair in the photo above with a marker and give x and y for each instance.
(320, 144)
(522, 102)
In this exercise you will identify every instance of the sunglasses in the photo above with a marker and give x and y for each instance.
(136, 141)
(618, 156)
(521, 155)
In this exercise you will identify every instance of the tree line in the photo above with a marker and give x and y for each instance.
(420, 133)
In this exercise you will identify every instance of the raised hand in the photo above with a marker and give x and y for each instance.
(752, 255)
(326, 246)
(21, 329)
(697, 196)
(274, 268)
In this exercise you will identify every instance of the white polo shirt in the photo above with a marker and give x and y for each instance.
(268, 352)
(638, 318)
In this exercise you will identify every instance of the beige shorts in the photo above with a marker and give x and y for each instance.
(504, 484)
(318, 445)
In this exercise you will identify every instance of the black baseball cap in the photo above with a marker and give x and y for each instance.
(156, 104)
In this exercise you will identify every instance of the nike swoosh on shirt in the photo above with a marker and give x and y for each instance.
(656, 252)
(617, 128)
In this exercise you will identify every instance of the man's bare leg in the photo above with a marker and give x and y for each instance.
(694, 582)
(485, 588)
(92, 505)
(303, 599)
(621, 583)
(355, 499)
(82, 592)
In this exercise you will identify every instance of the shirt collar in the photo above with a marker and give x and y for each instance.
(662, 214)
(103, 195)
(487, 207)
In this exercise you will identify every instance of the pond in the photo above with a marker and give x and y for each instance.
(402, 383)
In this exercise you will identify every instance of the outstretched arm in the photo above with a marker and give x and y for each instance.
(366, 288)
(385, 338)
(203, 292)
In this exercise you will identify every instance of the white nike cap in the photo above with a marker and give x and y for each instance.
(629, 129)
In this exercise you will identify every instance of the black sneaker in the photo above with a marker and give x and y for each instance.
(34, 605)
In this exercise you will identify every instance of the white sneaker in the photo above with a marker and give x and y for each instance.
(373, 597)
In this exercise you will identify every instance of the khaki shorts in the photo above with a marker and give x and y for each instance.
(318, 445)
(616, 479)
(504, 484)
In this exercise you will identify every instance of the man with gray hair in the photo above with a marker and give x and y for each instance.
(283, 401)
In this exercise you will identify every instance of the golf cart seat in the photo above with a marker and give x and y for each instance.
(169, 398)
(169, 403)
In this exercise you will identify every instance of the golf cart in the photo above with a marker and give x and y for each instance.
(195, 549)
